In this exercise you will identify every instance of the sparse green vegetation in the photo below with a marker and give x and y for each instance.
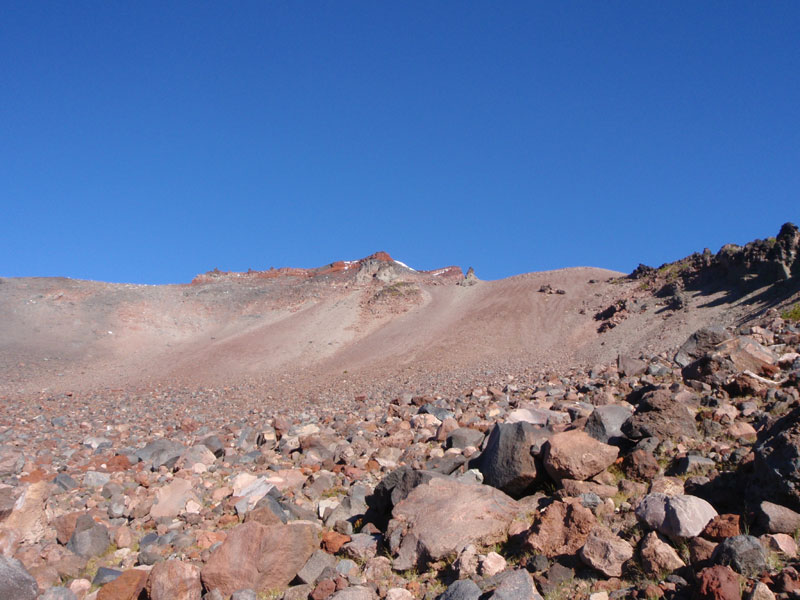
(792, 314)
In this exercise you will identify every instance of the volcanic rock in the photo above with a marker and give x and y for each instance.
(675, 516)
(507, 462)
(577, 455)
(261, 558)
(441, 516)
(606, 552)
(15, 582)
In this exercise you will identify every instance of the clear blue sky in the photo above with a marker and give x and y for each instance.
(149, 141)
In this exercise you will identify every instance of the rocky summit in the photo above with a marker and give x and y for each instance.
(365, 430)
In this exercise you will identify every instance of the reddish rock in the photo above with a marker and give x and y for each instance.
(324, 589)
(260, 558)
(700, 550)
(332, 541)
(577, 455)
(641, 465)
(65, 526)
(560, 529)
(127, 586)
(441, 516)
(718, 583)
(263, 515)
(721, 527)
(174, 580)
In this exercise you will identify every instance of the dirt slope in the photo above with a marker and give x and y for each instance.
(377, 323)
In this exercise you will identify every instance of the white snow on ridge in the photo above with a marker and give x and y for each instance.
(404, 265)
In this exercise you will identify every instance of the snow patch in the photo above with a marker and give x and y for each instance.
(404, 265)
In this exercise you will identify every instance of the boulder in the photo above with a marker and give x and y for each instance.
(699, 343)
(576, 455)
(658, 557)
(775, 518)
(15, 581)
(174, 580)
(514, 585)
(718, 583)
(393, 489)
(561, 528)
(89, 539)
(441, 516)
(171, 499)
(507, 462)
(127, 586)
(28, 516)
(605, 552)
(679, 516)
(463, 589)
(259, 557)
(777, 461)
(659, 415)
(743, 553)
(605, 423)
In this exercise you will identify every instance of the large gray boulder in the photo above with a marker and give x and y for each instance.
(605, 423)
(89, 539)
(392, 490)
(777, 461)
(742, 553)
(660, 415)
(15, 581)
(699, 343)
(681, 516)
(508, 462)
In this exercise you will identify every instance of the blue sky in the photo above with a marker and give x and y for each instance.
(149, 141)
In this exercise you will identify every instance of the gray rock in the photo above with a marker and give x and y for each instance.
(514, 585)
(105, 575)
(315, 565)
(65, 482)
(392, 490)
(659, 415)
(15, 582)
(777, 461)
(775, 518)
(679, 516)
(699, 343)
(464, 437)
(507, 462)
(439, 412)
(244, 595)
(58, 593)
(692, 464)
(362, 546)
(161, 452)
(95, 479)
(605, 423)
(463, 589)
(742, 553)
(11, 461)
(214, 444)
(631, 367)
(90, 539)
(7, 499)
